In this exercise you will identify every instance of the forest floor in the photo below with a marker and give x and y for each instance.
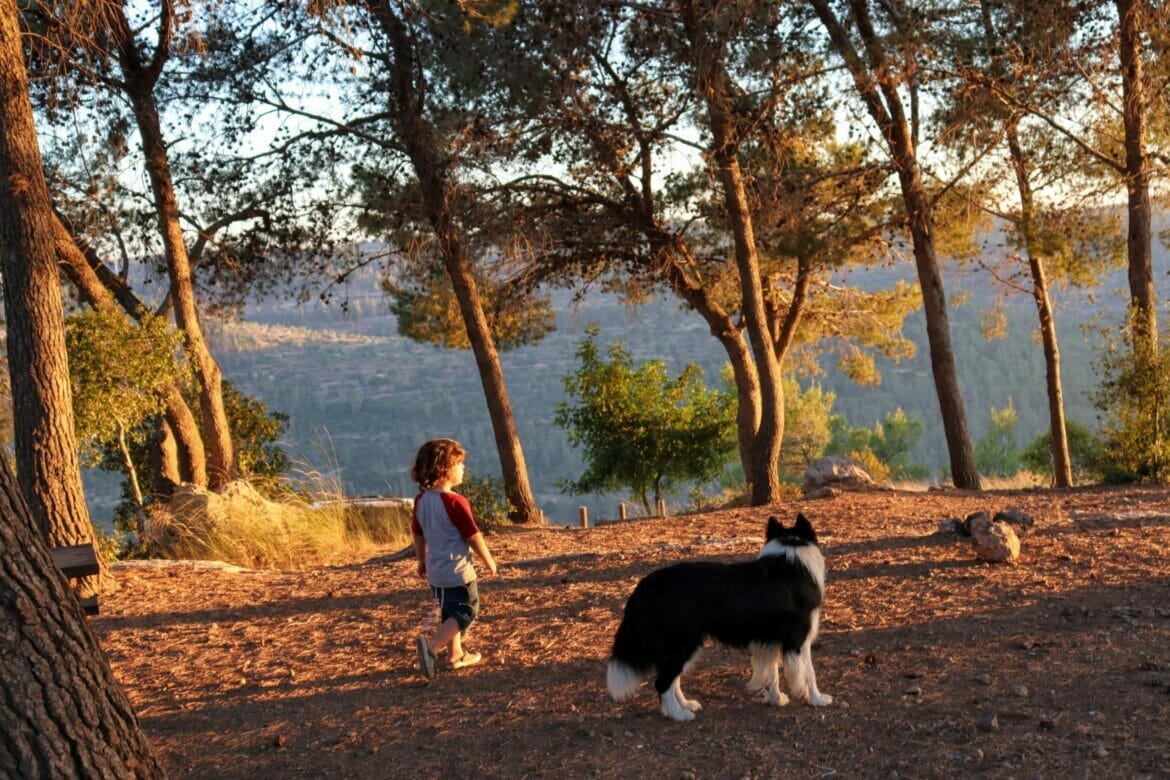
(940, 665)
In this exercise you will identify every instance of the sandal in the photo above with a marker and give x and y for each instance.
(465, 660)
(426, 659)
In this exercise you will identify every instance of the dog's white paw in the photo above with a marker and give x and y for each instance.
(691, 704)
(819, 699)
(775, 698)
(677, 713)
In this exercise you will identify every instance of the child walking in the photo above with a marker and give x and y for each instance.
(444, 534)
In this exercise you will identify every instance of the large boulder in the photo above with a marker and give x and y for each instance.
(835, 472)
(994, 540)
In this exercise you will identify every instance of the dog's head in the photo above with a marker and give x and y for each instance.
(800, 533)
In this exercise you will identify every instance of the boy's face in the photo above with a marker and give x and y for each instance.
(457, 474)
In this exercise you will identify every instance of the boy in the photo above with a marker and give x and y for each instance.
(444, 534)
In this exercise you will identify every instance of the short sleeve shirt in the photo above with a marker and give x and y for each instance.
(444, 519)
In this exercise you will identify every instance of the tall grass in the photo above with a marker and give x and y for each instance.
(308, 523)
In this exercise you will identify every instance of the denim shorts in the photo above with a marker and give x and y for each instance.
(460, 602)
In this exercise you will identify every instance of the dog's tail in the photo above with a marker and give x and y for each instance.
(622, 679)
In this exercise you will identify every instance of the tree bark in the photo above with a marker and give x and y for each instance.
(99, 287)
(63, 712)
(436, 187)
(140, 80)
(711, 81)
(1143, 314)
(45, 442)
(1061, 462)
(877, 85)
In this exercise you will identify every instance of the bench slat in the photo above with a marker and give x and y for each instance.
(78, 560)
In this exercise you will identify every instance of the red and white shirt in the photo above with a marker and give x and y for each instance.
(444, 519)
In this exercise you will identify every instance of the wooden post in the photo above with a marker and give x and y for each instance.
(622, 511)
(584, 513)
(662, 507)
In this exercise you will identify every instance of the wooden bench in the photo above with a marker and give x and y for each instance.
(77, 561)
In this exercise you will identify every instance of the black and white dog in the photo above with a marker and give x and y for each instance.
(771, 605)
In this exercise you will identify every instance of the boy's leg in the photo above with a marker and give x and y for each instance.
(448, 634)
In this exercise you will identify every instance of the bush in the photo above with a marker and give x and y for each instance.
(489, 502)
(1086, 451)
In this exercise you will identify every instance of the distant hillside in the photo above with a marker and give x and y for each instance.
(361, 399)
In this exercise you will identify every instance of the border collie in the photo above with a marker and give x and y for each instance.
(771, 605)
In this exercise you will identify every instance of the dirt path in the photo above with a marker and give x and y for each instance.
(941, 665)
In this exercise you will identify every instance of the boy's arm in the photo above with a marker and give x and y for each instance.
(420, 552)
(478, 544)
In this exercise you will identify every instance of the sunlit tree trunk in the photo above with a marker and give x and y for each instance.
(711, 81)
(436, 188)
(63, 713)
(185, 460)
(45, 442)
(1061, 462)
(876, 82)
(140, 78)
(1137, 181)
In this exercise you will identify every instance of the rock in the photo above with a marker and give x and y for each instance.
(976, 521)
(989, 722)
(996, 542)
(835, 472)
(1020, 522)
(951, 526)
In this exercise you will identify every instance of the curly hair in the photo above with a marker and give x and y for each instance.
(435, 460)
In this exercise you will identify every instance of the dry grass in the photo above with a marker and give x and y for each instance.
(241, 527)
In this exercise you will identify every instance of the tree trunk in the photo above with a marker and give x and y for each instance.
(877, 85)
(63, 712)
(1143, 314)
(1061, 462)
(435, 184)
(100, 288)
(45, 441)
(730, 337)
(140, 80)
(711, 86)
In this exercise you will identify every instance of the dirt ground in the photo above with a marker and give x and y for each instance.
(940, 665)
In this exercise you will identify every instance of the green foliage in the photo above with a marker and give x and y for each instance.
(427, 311)
(639, 428)
(489, 502)
(256, 432)
(996, 454)
(806, 427)
(888, 444)
(1085, 450)
(1134, 397)
(117, 370)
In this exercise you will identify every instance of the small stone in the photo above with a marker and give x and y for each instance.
(984, 678)
(1101, 752)
(977, 754)
(913, 690)
(1020, 691)
(989, 722)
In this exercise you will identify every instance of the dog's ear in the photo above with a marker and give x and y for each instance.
(774, 530)
(803, 529)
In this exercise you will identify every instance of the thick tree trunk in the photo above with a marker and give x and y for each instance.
(711, 81)
(140, 80)
(435, 184)
(729, 336)
(63, 713)
(1061, 462)
(45, 441)
(100, 288)
(877, 85)
(1143, 314)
